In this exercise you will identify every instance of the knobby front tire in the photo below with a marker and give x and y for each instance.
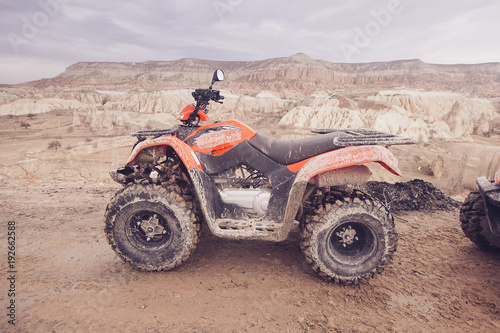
(152, 227)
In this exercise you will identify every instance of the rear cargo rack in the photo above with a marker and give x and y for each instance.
(365, 137)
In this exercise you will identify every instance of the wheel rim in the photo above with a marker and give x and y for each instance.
(351, 242)
(148, 228)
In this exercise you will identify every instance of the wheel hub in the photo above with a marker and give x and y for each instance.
(347, 236)
(152, 227)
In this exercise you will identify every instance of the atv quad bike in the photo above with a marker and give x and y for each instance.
(245, 185)
(480, 214)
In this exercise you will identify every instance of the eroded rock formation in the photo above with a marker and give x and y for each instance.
(407, 97)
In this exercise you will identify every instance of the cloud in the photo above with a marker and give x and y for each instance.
(23, 69)
(67, 31)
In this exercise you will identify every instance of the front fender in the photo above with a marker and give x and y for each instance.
(185, 153)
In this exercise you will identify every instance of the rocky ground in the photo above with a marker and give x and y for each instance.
(69, 279)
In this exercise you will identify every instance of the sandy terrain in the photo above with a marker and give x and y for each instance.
(69, 279)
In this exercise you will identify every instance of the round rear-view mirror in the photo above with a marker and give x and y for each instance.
(219, 75)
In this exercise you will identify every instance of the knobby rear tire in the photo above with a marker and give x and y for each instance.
(348, 237)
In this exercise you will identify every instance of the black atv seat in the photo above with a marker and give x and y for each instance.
(291, 151)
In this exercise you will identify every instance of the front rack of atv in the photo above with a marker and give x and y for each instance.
(365, 137)
(153, 132)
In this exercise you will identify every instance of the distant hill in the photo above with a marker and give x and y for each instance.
(290, 77)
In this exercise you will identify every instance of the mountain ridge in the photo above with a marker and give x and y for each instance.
(297, 74)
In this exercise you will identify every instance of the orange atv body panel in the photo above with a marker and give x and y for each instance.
(184, 115)
(345, 157)
(184, 152)
(219, 141)
(215, 142)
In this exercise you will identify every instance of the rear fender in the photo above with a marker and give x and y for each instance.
(350, 158)
(150, 149)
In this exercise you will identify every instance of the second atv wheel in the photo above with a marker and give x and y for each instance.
(348, 237)
(475, 223)
(151, 227)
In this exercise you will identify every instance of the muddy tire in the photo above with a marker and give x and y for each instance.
(475, 223)
(348, 237)
(152, 227)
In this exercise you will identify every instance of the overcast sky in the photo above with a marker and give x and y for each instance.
(40, 38)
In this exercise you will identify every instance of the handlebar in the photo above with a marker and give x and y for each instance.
(207, 95)
(203, 98)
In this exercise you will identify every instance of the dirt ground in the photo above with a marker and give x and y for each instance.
(69, 279)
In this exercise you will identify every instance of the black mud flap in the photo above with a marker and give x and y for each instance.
(491, 196)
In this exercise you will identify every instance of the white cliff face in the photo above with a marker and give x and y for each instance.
(420, 115)
(39, 105)
(417, 114)
(463, 115)
(6, 97)
(304, 92)
(263, 103)
(170, 101)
